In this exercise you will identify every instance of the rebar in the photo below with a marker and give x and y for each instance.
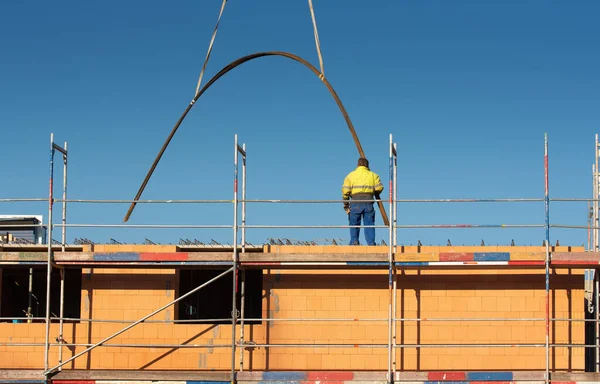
(223, 72)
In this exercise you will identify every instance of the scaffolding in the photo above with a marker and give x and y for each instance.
(238, 265)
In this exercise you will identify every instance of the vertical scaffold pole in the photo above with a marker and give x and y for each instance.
(30, 297)
(64, 197)
(62, 313)
(591, 235)
(49, 258)
(235, 258)
(547, 216)
(395, 239)
(63, 244)
(597, 315)
(592, 222)
(243, 272)
(395, 195)
(391, 265)
(595, 223)
(242, 308)
(596, 186)
(589, 229)
(593, 211)
(244, 198)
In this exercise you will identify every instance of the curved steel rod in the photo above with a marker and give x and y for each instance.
(222, 73)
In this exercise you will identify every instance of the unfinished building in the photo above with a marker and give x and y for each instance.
(299, 313)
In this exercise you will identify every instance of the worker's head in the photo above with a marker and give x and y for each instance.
(363, 162)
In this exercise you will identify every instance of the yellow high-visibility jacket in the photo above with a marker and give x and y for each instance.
(361, 184)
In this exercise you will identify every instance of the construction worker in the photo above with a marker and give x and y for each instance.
(361, 184)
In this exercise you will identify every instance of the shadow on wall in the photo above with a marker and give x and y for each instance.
(173, 350)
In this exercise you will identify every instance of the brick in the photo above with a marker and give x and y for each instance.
(328, 303)
(314, 303)
(107, 360)
(503, 304)
(474, 304)
(357, 303)
(358, 332)
(20, 359)
(504, 334)
(299, 362)
(519, 334)
(20, 330)
(314, 362)
(357, 362)
(116, 314)
(460, 304)
(150, 331)
(328, 361)
(299, 304)
(342, 362)
(489, 304)
(342, 303)
(121, 360)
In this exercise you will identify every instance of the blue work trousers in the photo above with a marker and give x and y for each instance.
(366, 212)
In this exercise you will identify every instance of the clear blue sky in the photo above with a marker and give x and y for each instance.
(467, 88)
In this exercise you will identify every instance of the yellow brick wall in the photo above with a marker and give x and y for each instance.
(128, 294)
(426, 295)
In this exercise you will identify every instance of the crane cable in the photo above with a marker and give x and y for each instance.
(317, 41)
(210, 45)
(320, 55)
